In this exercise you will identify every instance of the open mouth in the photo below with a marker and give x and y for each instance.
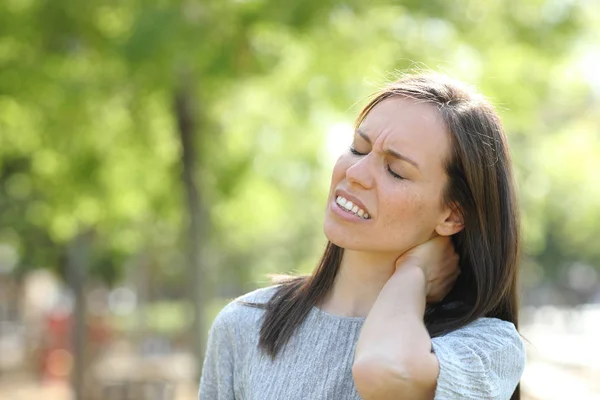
(348, 206)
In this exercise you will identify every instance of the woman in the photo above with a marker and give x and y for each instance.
(388, 313)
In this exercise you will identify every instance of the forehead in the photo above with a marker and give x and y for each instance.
(415, 129)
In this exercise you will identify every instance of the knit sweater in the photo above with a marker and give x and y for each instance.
(482, 360)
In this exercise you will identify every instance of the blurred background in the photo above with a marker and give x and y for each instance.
(158, 158)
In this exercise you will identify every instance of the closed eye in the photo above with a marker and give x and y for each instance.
(392, 173)
(355, 152)
(395, 175)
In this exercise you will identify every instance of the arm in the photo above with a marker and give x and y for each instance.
(216, 382)
(393, 358)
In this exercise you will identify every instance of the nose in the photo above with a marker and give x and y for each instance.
(360, 173)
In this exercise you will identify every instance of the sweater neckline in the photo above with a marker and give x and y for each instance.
(334, 317)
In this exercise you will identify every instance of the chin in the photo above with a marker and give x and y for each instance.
(333, 234)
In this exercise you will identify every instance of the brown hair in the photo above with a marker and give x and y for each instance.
(480, 183)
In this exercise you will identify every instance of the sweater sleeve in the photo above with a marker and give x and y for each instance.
(483, 360)
(216, 382)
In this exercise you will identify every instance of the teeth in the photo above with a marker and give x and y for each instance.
(353, 208)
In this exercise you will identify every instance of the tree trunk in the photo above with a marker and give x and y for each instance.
(196, 287)
(77, 265)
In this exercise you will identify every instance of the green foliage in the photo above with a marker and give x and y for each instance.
(88, 137)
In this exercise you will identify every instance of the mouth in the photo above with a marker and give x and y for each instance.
(350, 207)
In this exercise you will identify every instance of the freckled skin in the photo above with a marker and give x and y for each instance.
(404, 212)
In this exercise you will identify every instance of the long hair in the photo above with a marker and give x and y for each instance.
(480, 183)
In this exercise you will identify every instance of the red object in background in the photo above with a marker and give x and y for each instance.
(56, 357)
(59, 328)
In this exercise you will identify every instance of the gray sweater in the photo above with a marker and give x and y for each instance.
(483, 360)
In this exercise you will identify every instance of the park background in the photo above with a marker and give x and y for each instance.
(159, 158)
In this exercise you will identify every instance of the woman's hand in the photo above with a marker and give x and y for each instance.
(438, 261)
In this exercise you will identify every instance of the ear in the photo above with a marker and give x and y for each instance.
(452, 221)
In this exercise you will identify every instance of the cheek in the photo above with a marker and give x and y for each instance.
(339, 170)
(406, 210)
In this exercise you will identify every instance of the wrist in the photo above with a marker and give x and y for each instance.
(412, 272)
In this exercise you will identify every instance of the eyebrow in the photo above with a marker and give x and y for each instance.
(391, 152)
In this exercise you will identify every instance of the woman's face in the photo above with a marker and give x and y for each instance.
(397, 179)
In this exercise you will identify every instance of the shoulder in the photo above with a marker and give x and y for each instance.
(236, 314)
(233, 332)
(261, 295)
(483, 359)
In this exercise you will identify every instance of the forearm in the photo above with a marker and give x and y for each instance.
(393, 356)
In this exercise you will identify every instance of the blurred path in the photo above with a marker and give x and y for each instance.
(563, 353)
(23, 387)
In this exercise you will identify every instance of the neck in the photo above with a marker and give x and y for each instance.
(359, 280)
